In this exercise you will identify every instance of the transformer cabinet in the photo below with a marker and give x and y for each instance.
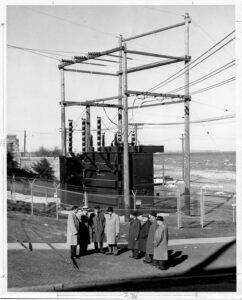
(100, 174)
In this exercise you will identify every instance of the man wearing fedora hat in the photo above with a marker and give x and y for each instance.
(112, 231)
(161, 244)
(134, 230)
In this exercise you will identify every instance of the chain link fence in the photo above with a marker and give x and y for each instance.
(208, 204)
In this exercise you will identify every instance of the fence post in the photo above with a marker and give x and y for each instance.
(14, 196)
(32, 199)
(56, 197)
(134, 197)
(201, 208)
(233, 208)
(46, 196)
(85, 198)
(178, 196)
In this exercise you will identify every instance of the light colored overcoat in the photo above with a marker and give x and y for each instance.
(111, 228)
(72, 229)
(161, 243)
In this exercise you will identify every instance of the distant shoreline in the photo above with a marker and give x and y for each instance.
(198, 152)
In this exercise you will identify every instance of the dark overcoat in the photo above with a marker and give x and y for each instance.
(143, 235)
(161, 243)
(83, 232)
(98, 228)
(134, 230)
(150, 239)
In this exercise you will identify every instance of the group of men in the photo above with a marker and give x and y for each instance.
(84, 227)
(148, 234)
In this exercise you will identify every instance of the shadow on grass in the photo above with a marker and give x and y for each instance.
(175, 258)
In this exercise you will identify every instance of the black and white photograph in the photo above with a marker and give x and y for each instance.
(120, 148)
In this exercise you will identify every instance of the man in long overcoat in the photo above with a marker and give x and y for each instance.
(150, 240)
(134, 230)
(72, 231)
(98, 228)
(161, 244)
(83, 234)
(112, 231)
(143, 235)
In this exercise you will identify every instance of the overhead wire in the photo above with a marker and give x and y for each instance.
(71, 22)
(206, 76)
(34, 52)
(175, 75)
(214, 86)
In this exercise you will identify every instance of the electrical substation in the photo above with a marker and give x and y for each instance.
(124, 166)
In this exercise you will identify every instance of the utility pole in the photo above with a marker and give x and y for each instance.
(25, 143)
(120, 87)
(182, 139)
(187, 120)
(125, 133)
(63, 117)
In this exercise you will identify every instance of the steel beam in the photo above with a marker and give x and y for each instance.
(156, 104)
(137, 93)
(91, 72)
(86, 103)
(156, 55)
(154, 31)
(154, 65)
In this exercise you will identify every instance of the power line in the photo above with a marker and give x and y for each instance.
(214, 86)
(23, 49)
(166, 81)
(195, 64)
(223, 109)
(209, 75)
(71, 22)
(192, 122)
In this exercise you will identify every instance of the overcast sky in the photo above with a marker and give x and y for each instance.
(33, 81)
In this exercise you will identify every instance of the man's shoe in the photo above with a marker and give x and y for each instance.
(109, 253)
(97, 251)
(102, 251)
(146, 261)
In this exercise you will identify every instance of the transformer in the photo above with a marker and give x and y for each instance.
(100, 175)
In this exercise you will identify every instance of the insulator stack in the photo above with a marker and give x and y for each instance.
(80, 58)
(103, 139)
(133, 138)
(91, 140)
(70, 131)
(119, 137)
(99, 134)
(83, 135)
(93, 54)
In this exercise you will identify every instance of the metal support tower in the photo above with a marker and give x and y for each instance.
(187, 120)
(63, 117)
(125, 133)
(120, 86)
